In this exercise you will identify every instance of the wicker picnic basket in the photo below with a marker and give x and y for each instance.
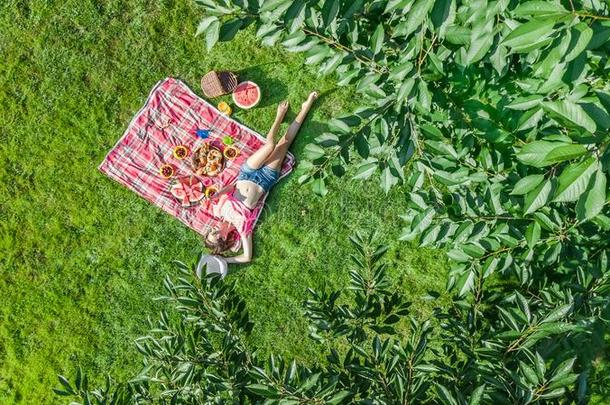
(216, 84)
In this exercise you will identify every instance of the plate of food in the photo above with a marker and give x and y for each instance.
(208, 160)
(188, 191)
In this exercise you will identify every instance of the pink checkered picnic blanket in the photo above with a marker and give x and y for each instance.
(171, 116)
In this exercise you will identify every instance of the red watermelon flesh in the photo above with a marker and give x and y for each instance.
(196, 196)
(246, 95)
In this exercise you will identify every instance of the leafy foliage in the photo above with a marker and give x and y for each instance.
(494, 117)
(518, 350)
(459, 87)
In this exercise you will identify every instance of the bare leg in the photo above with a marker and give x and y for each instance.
(257, 159)
(275, 160)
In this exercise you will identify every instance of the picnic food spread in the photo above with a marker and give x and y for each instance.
(143, 158)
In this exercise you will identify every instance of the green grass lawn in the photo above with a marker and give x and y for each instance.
(81, 257)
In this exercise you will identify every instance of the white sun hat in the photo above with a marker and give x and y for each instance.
(213, 264)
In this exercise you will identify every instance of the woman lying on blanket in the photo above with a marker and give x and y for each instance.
(235, 204)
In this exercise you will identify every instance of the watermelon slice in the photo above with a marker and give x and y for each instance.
(195, 196)
(177, 191)
(188, 191)
(246, 95)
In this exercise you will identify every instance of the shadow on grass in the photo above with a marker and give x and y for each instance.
(273, 90)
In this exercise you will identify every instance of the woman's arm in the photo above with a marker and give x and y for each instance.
(246, 256)
(209, 203)
(226, 189)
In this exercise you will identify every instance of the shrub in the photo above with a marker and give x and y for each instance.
(510, 349)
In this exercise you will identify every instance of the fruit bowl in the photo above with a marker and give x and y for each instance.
(231, 152)
(166, 171)
(181, 152)
(210, 191)
(207, 160)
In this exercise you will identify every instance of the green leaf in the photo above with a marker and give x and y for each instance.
(465, 283)
(400, 71)
(538, 197)
(313, 151)
(489, 266)
(424, 96)
(365, 170)
(212, 34)
(539, 9)
(204, 24)
(565, 152)
(417, 15)
(532, 234)
(499, 61)
(270, 5)
(601, 34)
(295, 15)
(581, 34)
(262, 390)
(330, 11)
(592, 201)
(527, 184)
(557, 314)
(229, 29)
(477, 395)
(393, 5)
(535, 153)
(377, 39)
(388, 180)
(405, 89)
(531, 32)
(570, 112)
(338, 125)
(563, 369)
(457, 35)
(529, 373)
(319, 187)
(574, 179)
(557, 393)
(317, 54)
(478, 48)
(525, 103)
(445, 395)
(422, 221)
(64, 381)
(443, 15)
(338, 397)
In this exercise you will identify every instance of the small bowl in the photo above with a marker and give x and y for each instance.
(181, 152)
(231, 152)
(210, 191)
(166, 171)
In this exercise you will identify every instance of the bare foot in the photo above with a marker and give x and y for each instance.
(310, 99)
(282, 108)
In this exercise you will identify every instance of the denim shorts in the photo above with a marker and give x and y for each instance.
(264, 176)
